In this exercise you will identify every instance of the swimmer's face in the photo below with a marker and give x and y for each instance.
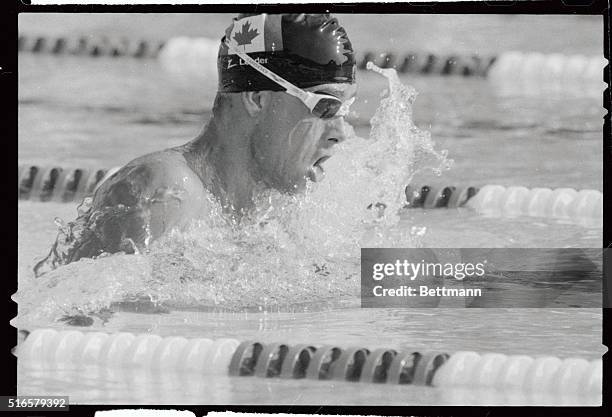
(292, 144)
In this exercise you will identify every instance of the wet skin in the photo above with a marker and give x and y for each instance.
(160, 192)
(261, 140)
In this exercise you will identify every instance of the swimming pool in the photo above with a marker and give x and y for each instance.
(76, 111)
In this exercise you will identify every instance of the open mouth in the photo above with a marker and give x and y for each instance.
(319, 162)
(318, 173)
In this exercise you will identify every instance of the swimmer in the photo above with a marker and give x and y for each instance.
(285, 84)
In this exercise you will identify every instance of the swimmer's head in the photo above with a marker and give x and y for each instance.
(293, 132)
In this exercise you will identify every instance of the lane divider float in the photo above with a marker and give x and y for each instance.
(430, 64)
(429, 197)
(58, 184)
(190, 54)
(579, 206)
(584, 206)
(51, 349)
(91, 46)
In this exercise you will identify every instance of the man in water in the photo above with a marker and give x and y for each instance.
(285, 83)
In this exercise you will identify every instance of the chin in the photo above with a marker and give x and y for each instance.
(294, 187)
(299, 187)
(296, 182)
(301, 184)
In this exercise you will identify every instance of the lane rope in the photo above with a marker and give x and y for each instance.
(58, 184)
(585, 207)
(91, 46)
(190, 55)
(52, 349)
(579, 206)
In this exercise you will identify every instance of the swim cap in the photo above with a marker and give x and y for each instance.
(305, 49)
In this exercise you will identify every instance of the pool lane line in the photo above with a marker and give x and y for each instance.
(504, 66)
(432, 196)
(582, 206)
(577, 206)
(430, 63)
(90, 46)
(59, 184)
(72, 184)
(52, 349)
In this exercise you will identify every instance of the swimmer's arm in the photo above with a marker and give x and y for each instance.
(110, 225)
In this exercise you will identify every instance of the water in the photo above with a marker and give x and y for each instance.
(103, 112)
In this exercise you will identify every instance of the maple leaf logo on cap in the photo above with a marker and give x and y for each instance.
(246, 35)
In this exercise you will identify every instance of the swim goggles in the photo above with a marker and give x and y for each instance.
(320, 105)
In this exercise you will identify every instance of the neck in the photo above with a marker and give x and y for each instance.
(221, 157)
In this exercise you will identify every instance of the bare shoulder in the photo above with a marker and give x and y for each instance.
(142, 177)
(161, 182)
(141, 202)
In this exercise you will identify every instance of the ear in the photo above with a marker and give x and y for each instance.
(255, 101)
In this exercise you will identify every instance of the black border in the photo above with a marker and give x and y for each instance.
(8, 120)
(8, 94)
(488, 7)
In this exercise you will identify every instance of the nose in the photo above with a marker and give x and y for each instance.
(336, 131)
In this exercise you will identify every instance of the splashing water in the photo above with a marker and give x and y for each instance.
(294, 250)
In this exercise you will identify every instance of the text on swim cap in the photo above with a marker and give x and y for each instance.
(231, 63)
